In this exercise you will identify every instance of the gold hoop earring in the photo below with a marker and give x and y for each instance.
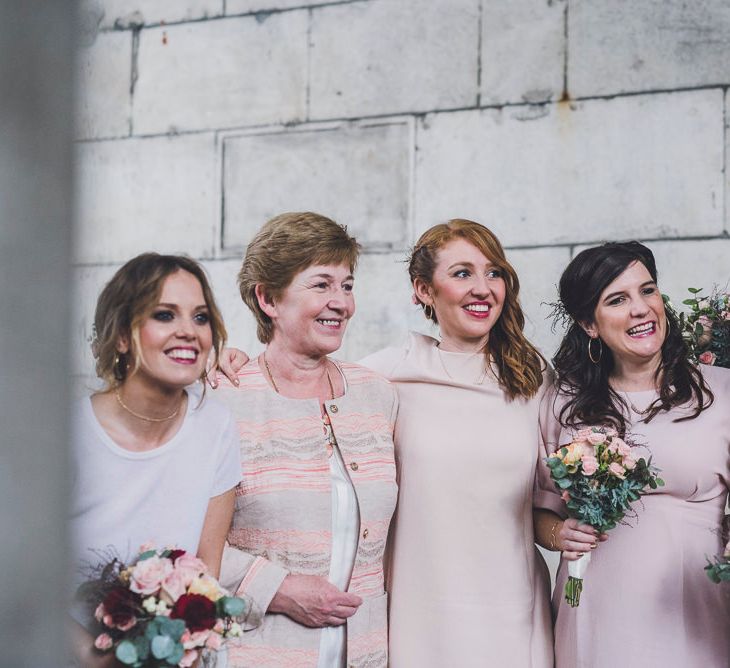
(428, 311)
(119, 368)
(600, 350)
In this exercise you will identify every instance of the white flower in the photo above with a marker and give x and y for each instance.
(235, 631)
(150, 604)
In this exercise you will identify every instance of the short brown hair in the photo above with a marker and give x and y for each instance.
(284, 246)
(519, 362)
(128, 298)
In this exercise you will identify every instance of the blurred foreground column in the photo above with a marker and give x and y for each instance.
(36, 94)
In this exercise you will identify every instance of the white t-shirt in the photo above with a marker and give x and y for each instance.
(122, 499)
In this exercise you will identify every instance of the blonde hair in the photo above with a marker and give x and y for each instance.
(284, 246)
(519, 363)
(128, 299)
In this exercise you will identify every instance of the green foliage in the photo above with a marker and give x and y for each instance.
(719, 571)
(706, 327)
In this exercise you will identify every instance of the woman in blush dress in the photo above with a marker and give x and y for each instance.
(316, 438)
(646, 599)
(152, 459)
(467, 585)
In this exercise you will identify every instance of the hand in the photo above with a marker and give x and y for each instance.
(84, 654)
(313, 601)
(575, 539)
(230, 362)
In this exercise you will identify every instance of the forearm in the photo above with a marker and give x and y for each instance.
(547, 528)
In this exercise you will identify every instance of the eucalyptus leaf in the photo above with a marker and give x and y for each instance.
(126, 652)
(162, 646)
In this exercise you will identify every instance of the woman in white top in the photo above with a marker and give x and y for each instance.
(152, 460)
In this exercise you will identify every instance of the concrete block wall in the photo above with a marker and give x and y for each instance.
(557, 123)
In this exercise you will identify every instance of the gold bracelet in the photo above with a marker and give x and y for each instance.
(553, 547)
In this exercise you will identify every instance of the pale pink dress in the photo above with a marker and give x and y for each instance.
(467, 586)
(647, 601)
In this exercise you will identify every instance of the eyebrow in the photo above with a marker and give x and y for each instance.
(467, 264)
(176, 306)
(620, 292)
(330, 277)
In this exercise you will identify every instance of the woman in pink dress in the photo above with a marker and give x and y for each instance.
(646, 599)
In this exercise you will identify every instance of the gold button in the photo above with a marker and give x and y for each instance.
(354, 466)
(365, 533)
(333, 408)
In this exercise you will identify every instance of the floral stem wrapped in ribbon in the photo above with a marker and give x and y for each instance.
(599, 478)
(163, 609)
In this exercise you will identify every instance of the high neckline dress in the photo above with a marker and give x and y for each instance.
(467, 587)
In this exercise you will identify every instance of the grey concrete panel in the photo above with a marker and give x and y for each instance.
(358, 174)
(105, 80)
(137, 195)
(218, 74)
(523, 51)
(539, 271)
(617, 47)
(393, 57)
(647, 166)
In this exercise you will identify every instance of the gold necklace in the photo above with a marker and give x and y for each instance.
(480, 379)
(276, 388)
(118, 395)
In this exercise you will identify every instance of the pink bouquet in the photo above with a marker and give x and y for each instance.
(163, 609)
(599, 478)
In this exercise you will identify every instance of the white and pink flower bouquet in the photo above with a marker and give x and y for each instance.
(599, 477)
(162, 609)
(706, 327)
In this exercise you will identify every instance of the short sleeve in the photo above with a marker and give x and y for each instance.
(228, 469)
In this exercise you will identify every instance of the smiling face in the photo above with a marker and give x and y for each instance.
(174, 340)
(630, 318)
(467, 292)
(311, 315)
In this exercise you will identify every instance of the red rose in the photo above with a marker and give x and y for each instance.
(196, 610)
(120, 608)
(174, 554)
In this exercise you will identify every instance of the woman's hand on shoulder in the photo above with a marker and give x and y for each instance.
(314, 601)
(230, 362)
(576, 539)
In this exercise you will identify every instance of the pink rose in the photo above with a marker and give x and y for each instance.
(629, 462)
(214, 642)
(193, 640)
(623, 449)
(188, 658)
(708, 357)
(596, 438)
(190, 567)
(103, 642)
(617, 470)
(590, 464)
(174, 586)
(565, 496)
(147, 575)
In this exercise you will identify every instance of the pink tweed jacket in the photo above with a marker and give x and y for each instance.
(283, 517)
